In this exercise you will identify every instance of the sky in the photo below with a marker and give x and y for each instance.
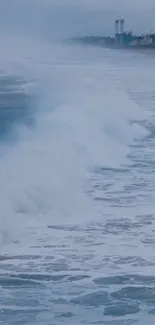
(45, 18)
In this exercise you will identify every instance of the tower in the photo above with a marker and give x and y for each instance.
(117, 31)
(121, 26)
(116, 26)
(121, 30)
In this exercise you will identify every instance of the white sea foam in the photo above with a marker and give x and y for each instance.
(83, 121)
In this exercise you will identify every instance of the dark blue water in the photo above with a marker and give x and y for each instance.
(15, 106)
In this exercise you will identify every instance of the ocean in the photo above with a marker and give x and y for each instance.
(77, 184)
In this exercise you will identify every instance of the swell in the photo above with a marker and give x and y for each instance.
(15, 106)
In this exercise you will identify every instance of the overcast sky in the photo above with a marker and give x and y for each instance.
(75, 17)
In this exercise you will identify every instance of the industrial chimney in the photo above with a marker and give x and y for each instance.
(116, 26)
(121, 31)
(121, 26)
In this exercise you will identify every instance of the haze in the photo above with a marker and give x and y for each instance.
(64, 18)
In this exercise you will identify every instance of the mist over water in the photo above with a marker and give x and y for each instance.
(76, 172)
